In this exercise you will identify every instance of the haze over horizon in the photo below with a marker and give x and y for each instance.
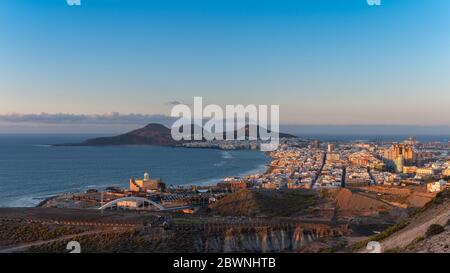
(332, 66)
(115, 123)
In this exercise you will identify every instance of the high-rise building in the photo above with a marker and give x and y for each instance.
(399, 164)
(407, 152)
(330, 148)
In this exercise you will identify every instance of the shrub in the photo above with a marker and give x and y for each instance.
(414, 243)
(442, 197)
(434, 229)
(383, 235)
(394, 250)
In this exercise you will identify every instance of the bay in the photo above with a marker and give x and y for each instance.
(31, 169)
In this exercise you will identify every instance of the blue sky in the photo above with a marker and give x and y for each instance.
(323, 61)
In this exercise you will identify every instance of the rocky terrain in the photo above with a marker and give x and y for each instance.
(243, 221)
(256, 238)
(206, 239)
(418, 232)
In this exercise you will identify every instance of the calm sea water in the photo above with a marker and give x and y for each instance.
(383, 137)
(31, 169)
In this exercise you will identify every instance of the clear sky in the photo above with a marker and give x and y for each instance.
(322, 61)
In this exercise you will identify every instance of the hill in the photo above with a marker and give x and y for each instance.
(152, 134)
(354, 203)
(265, 203)
(416, 234)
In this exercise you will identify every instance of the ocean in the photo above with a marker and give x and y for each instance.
(379, 137)
(31, 169)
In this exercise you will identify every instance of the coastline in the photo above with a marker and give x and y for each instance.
(259, 169)
(48, 199)
(29, 181)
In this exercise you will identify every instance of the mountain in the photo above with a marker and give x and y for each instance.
(152, 134)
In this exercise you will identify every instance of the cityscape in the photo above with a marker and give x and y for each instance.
(218, 135)
(324, 196)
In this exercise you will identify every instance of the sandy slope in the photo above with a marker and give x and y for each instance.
(418, 226)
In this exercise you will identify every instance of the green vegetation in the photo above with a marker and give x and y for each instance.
(379, 237)
(327, 250)
(418, 239)
(414, 243)
(434, 229)
(394, 250)
(439, 199)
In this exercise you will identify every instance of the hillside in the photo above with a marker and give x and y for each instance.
(265, 203)
(152, 134)
(353, 203)
(413, 237)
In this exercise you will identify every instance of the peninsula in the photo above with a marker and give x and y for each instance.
(159, 135)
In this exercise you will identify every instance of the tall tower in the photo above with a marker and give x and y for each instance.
(330, 148)
(406, 151)
(399, 163)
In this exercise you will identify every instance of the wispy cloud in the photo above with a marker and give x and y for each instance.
(173, 102)
(63, 118)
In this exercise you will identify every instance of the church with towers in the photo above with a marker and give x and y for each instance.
(146, 184)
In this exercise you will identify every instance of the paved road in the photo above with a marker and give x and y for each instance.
(320, 170)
